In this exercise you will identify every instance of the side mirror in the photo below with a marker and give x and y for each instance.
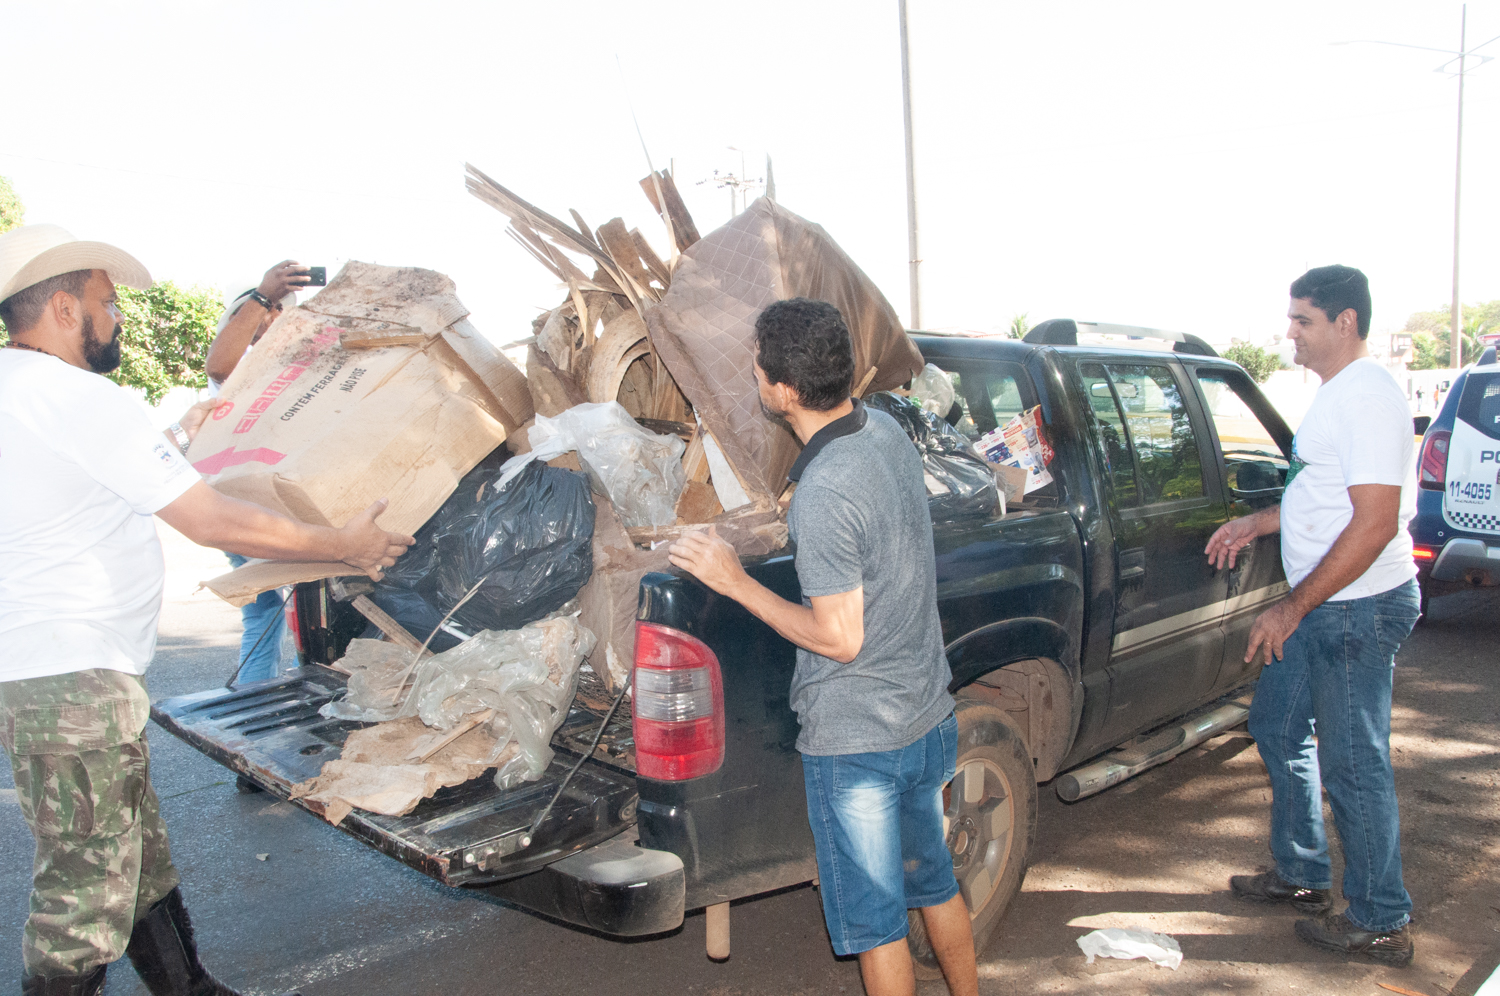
(1419, 424)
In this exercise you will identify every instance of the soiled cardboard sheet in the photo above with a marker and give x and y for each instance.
(319, 432)
(373, 772)
(704, 328)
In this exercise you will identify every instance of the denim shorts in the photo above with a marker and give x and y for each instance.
(877, 821)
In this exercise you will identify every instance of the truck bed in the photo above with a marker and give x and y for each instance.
(270, 732)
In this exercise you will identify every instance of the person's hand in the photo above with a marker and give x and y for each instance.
(1271, 630)
(1229, 539)
(192, 420)
(367, 546)
(283, 278)
(708, 558)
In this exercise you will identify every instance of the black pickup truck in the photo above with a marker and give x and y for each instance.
(1076, 624)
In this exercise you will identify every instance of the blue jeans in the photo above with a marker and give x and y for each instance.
(877, 823)
(1322, 719)
(260, 649)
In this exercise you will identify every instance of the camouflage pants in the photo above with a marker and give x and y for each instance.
(83, 781)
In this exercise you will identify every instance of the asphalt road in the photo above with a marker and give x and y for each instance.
(327, 914)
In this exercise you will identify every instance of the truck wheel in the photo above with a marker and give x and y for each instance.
(990, 819)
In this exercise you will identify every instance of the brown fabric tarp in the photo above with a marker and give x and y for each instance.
(704, 329)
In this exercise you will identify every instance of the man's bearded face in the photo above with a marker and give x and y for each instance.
(102, 356)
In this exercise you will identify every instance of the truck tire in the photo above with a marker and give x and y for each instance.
(989, 837)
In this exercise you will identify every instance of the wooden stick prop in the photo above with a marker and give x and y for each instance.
(463, 727)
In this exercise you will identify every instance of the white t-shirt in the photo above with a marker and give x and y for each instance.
(1358, 431)
(81, 472)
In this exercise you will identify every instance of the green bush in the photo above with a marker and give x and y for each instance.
(1258, 362)
(168, 330)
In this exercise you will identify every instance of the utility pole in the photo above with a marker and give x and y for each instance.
(1455, 348)
(911, 177)
(1464, 53)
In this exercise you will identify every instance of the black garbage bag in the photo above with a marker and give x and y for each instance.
(960, 481)
(532, 544)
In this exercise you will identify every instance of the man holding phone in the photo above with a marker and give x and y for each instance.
(246, 319)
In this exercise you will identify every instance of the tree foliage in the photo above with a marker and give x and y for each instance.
(12, 211)
(1019, 326)
(1431, 344)
(168, 330)
(1259, 363)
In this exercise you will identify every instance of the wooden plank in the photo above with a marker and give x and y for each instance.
(695, 460)
(390, 627)
(421, 754)
(653, 262)
(679, 221)
(859, 392)
(621, 248)
(350, 339)
(698, 503)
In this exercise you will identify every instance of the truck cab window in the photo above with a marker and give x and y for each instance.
(1160, 432)
(1109, 423)
(1253, 461)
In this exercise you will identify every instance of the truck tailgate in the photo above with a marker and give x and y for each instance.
(467, 834)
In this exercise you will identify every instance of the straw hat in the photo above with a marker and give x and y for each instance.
(33, 253)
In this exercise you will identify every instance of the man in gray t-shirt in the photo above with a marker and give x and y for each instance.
(878, 738)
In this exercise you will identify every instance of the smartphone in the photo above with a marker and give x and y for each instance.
(317, 276)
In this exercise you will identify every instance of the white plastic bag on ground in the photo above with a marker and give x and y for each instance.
(1128, 943)
(639, 471)
(933, 388)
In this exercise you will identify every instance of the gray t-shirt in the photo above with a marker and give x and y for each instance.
(859, 519)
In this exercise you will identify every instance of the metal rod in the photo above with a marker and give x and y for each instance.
(911, 177)
(1456, 328)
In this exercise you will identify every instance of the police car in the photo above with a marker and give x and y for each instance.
(1456, 532)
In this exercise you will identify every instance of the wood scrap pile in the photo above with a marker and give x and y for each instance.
(594, 347)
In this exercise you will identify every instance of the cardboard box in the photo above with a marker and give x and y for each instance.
(318, 431)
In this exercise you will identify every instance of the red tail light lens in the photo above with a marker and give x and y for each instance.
(289, 613)
(678, 705)
(1423, 553)
(1433, 473)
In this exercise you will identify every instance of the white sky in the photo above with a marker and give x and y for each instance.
(1162, 164)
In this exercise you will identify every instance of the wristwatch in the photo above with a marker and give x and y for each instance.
(179, 434)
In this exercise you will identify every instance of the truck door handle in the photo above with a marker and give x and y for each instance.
(1132, 575)
(1132, 566)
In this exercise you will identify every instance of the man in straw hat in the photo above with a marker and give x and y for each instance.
(81, 474)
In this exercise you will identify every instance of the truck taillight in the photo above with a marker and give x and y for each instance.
(1434, 464)
(678, 705)
(289, 612)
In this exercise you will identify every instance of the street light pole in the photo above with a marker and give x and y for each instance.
(1464, 53)
(915, 258)
(1455, 348)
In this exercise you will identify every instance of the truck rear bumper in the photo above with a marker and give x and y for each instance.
(1467, 560)
(615, 887)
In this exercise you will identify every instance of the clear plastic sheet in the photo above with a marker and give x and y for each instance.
(530, 542)
(638, 470)
(933, 389)
(527, 676)
(959, 481)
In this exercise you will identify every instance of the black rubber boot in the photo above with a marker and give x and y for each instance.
(165, 955)
(64, 985)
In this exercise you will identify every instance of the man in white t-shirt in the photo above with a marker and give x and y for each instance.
(81, 474)
(1322, 711)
